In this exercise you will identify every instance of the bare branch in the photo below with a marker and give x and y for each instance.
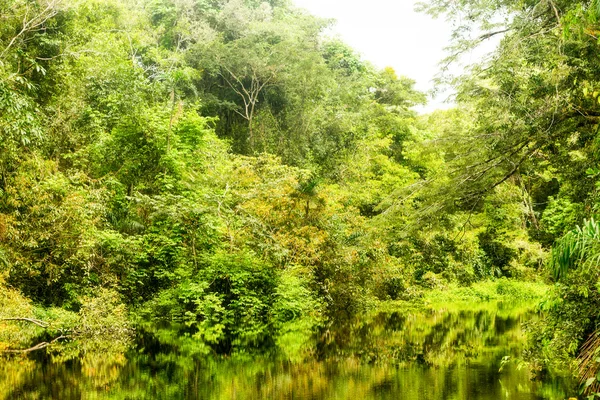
(488, 35)
(37, 322)
(38, 346)
(33, 23)
(555, 11)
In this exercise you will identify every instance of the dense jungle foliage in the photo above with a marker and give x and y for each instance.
(224, 172)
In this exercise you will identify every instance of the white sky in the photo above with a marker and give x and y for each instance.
(390, 33)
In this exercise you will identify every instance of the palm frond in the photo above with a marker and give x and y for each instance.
(589, 363)
(578, 248)
(4, 262)
(596, 7)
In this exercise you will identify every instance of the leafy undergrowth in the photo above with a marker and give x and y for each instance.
(479, 295)
(493, 290)
(101, 317)
(20, 333)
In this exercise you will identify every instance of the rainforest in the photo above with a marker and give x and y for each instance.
(216, 199)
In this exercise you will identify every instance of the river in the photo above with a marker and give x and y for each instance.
(437, 353)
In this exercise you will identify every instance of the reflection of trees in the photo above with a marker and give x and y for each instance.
(68, 371)
(376, 357)
(434, 338)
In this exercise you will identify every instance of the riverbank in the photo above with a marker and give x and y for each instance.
(452, 295)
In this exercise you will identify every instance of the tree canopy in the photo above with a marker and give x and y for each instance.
(233, 176)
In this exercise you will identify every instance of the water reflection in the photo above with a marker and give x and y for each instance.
(434, 354)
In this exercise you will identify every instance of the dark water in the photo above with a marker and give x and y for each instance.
(468, 354)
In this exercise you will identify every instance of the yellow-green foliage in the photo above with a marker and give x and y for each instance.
(104, 315)
(13, 333)
(298, 314)
(100, 327)
(98, 336)
(49, 228)
(101, 338)
(238, 178)
(502, 289)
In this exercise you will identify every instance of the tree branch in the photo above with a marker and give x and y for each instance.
(37, 322)
(38, 346)
(488, 35)
(31, 24)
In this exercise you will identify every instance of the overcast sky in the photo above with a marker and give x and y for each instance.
(390, 33)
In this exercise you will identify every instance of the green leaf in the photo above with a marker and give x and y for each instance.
(589, 382)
